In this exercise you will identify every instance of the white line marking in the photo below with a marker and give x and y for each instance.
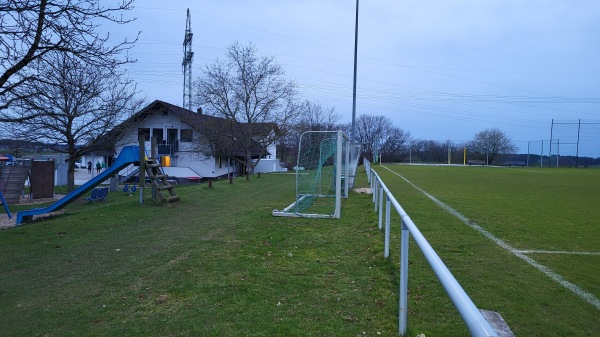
(588, 297)
(533, 251)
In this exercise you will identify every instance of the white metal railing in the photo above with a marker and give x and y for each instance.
(478, 326)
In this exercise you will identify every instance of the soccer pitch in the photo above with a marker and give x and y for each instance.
(523, 242)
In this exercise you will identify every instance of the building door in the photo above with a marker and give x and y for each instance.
(173, 140)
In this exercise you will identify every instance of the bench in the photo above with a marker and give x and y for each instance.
(475, 162)
(98, 193)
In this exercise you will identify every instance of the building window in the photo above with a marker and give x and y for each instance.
(145, 132)
(158, 134)
(186, 135)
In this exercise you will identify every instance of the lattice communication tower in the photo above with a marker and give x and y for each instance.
(188, 56)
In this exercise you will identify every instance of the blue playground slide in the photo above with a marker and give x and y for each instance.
(129, 155)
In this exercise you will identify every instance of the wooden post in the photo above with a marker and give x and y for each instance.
(154, 157)
(142, 175)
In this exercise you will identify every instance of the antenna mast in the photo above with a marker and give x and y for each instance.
(188, 56)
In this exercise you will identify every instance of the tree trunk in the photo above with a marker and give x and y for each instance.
(71, 174)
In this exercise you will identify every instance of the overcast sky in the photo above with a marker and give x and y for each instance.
(441, 69)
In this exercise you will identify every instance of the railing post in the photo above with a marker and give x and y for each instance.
(403, 300)
(386, 248)
(376, 194)
(375, 184)
(380, 207)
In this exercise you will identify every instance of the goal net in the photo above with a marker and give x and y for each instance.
(321, 175)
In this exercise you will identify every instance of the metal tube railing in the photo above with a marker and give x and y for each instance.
(478, 326)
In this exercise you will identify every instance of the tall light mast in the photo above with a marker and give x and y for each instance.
(188, 56)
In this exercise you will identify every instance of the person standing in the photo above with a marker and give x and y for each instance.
(98, 167)
(89, 167)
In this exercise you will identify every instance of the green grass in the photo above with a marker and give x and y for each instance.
(529, 209)
(226, 266)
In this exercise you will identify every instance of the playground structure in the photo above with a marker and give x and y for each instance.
(322, 175)
(129, 155)
(12, 182)
(5, 206)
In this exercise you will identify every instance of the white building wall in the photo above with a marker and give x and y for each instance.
(267, 165)
(187, 156)
(203, 165)
(270, 163)
(272, 149)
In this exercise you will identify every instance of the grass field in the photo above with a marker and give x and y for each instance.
(218, 263)
(551, 216)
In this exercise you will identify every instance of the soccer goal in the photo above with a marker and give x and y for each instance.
(321, 175)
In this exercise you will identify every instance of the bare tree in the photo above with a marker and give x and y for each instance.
(313, 117)
(394, 145)
(75, 105)
(431, 151)
(491, 142)
(316, 117)
(253, 95)
(32, 30)
(371, 128)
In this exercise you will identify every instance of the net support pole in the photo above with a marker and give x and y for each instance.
(542, 155)
(550, 148)
(577, 153)
(338, 175)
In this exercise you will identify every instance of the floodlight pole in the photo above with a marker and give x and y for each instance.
(353, 131)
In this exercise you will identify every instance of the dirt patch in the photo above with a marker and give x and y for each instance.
(5, 222)
(363, 190)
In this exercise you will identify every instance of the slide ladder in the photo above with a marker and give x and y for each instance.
(158, 179)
